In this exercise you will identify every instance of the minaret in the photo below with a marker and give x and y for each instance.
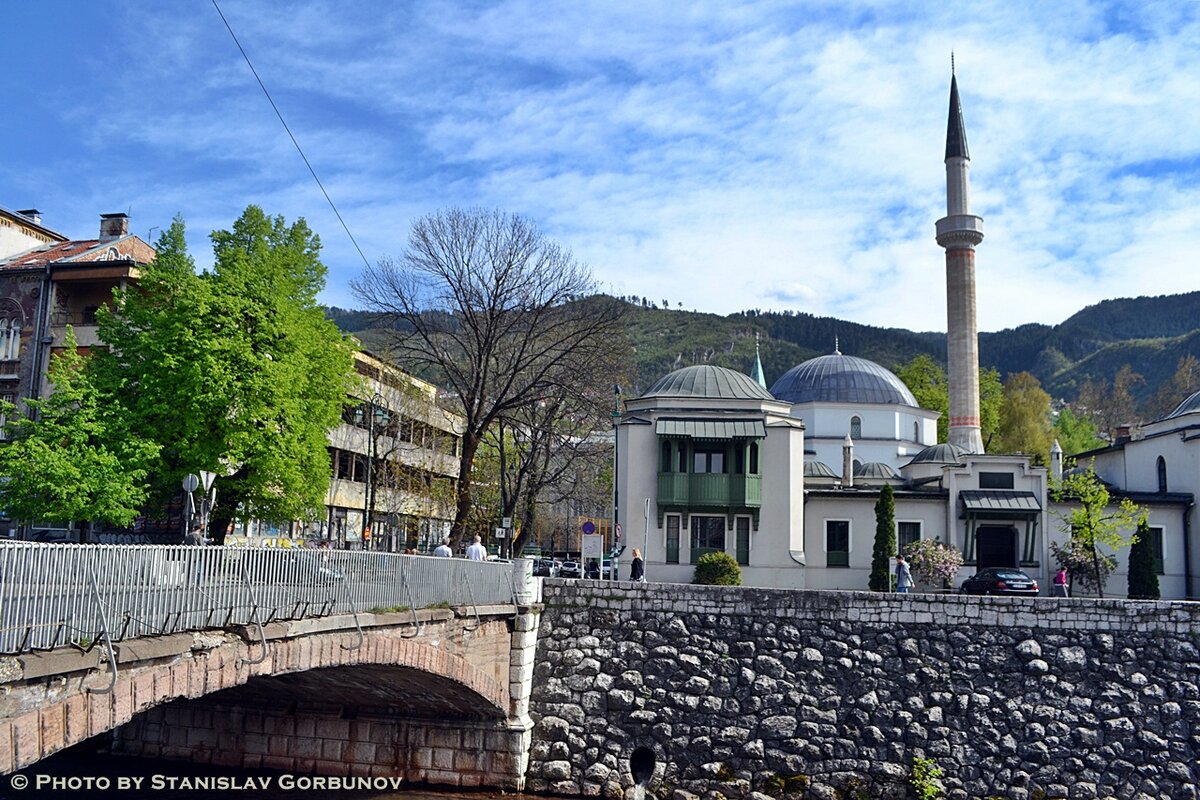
(758, 375)
(959, 231)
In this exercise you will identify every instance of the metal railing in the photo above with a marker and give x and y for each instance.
(53, 595)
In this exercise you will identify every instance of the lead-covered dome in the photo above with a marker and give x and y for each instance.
(706, 380)
(1188, 406)
(840, 378)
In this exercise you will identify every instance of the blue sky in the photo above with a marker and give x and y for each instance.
(722, 156)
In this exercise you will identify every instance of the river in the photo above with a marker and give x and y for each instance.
(86, 771)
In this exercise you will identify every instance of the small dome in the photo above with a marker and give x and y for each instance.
(1188, 406)
(706, 380)
(839, 378)
(818, 469)
(944, 453)
(875, 470)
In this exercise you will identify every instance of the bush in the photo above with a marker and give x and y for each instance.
(934, 562)
(717, 569)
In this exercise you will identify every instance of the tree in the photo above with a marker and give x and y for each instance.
(1111, 407)
(934, 562)
(926, 379)
(1183, 383)
(717, 569)
(483, 302)
(1075, 434)
(1143, 577)
(234, 371)
(77, 458)
(1094, 525)
(1025, 418)
(885, 541)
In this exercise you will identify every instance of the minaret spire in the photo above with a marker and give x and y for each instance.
(959, 232)
(758, 374)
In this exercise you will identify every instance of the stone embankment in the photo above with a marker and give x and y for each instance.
(750, 692)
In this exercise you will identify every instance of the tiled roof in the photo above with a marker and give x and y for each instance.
(127, 248)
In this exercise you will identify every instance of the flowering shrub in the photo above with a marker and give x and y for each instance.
(934, 562)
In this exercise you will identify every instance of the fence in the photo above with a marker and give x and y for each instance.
(52, 595)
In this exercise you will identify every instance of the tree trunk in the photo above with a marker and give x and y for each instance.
(462, 502)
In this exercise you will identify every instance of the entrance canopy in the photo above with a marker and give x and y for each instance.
(999, 504)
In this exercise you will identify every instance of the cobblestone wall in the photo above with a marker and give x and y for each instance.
(833, 694)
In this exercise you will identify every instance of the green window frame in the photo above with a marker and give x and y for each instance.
(742, 536)
(673, 538)
(837, 542)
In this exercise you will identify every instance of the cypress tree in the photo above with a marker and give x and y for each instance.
(885, 541)
(1143, 580)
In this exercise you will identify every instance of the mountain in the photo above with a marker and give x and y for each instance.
(1149, 333)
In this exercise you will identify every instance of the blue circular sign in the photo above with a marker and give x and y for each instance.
(589, 528)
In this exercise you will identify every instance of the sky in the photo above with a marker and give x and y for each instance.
(718, 156)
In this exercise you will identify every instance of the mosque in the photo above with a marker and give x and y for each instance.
(786, 480)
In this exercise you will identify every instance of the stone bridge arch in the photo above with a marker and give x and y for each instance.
(435, 707)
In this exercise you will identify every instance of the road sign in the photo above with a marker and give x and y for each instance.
(593, 546)
(588, 527)
(499, 533)
(506, 522)
(190, 482)
(206, 479)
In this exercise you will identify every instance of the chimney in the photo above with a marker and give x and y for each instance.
(113, 226)
(1123, 434)
(1056, 461)
(32, 214)
(848, 463)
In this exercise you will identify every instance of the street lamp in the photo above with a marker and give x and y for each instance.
(369, 488)
(616, 526)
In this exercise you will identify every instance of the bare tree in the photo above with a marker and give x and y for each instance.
(485, 304)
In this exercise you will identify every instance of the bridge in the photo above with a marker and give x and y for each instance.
(313, 661)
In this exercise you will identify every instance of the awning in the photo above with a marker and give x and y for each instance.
(999, 503)
(712, 428)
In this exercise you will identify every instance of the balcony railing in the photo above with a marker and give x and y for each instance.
(709, 490)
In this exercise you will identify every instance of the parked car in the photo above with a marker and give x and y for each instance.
(1000, 580)
(545, 568)
(570, 569)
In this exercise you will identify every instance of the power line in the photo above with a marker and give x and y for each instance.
(282, 121)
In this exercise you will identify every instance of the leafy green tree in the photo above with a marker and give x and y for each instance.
(77, 458)
(1075, 433)
(234, 371)
(926, 379)
(1095, 524)
(1025, 418)
(885, 540)
(717, 569)
(1143, 578)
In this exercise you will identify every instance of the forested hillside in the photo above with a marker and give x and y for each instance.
(1150, 334)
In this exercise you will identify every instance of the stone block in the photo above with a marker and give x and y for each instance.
(305, 747)
(332, 749)
(6, 747)
(26, 735)
(278, 762)
(333, 729)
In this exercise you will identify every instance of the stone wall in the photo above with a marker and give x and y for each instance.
(463, 753)
(833, 694)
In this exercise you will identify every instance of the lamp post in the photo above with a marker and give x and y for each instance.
(616, 519)
(369, 486)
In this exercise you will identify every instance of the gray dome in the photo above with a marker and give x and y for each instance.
(876, 470)
(706, 380)
(944, 453)
(1188, 406)
(818, 469)
(842, 379)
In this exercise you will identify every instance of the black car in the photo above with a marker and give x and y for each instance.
(1000, 580)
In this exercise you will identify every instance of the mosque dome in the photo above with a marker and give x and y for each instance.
(944, 453)
(840, 378)
(818, 469)
(708, 381)
(1188, 406)
(875, 470)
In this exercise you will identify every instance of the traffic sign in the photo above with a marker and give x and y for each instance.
(588, 527)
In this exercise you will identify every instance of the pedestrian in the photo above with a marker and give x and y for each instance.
(477, 552)
(637, 568)
(443, 549)
(1060, 583)
(195, 537)
(904, 579)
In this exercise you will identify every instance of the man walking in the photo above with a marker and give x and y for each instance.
(443, 549)
(477, 552)
(904, 579)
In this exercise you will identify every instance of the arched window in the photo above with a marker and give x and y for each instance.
(753, 458)
(856, 428)
(10, 339)
(1162, 474)
(917, 432)
(666, 456)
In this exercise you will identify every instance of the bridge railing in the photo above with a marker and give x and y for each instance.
(53, 595)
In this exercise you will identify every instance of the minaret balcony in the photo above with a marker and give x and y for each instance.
(960, 229)
(709, 490)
